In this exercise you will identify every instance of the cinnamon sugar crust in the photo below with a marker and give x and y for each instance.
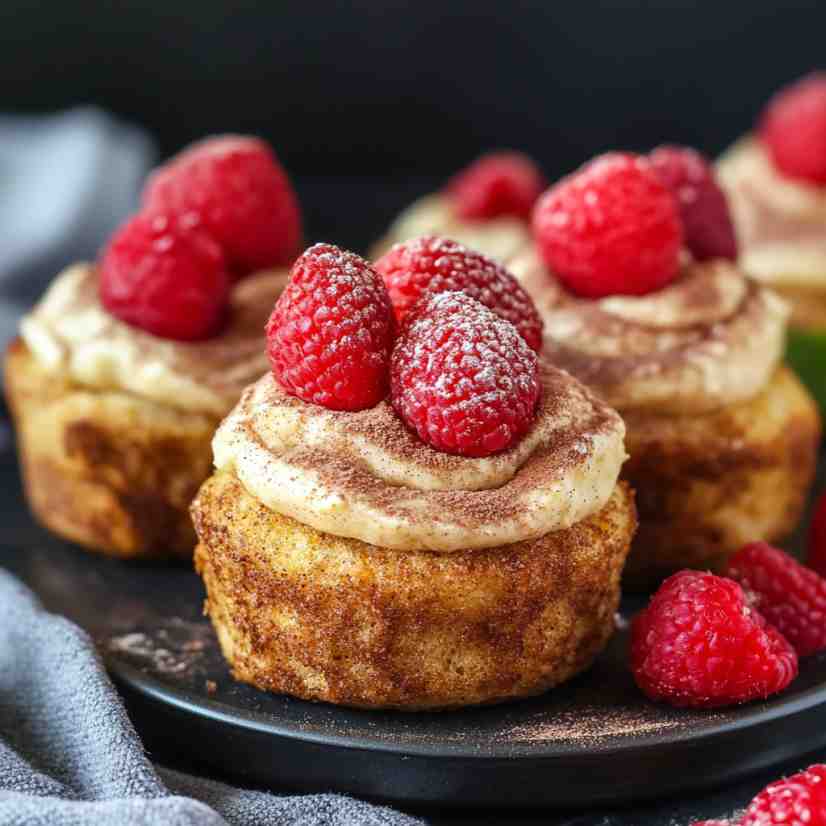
(322, 617)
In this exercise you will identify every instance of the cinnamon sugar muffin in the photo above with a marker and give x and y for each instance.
(485, 206)
(722, 438)
(114, 424)
(458, 541)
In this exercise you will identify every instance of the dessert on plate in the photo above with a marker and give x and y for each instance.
(632, 273)
(125, 367)
(775, 178)
(487, 206)
(418, 514)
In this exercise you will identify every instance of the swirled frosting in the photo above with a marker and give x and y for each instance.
(69, 331)
(366, 476)
(712, 338)
(500, 238)
(780, 222)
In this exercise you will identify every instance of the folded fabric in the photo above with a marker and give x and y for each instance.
(68, 181)
(69, 755)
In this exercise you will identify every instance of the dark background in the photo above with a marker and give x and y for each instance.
(369, 103)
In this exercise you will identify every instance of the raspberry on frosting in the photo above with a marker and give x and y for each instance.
(495, 185)
(165, 278)
(462, 377)
(789, 595)
(330, 333)
(700, 643)
(612, 228)
(793, 129)
(430, 265)
(235, 189)
(707, 223)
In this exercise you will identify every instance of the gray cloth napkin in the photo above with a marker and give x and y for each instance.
(70, 757)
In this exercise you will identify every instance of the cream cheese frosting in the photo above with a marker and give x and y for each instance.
(712, 338)
(500, 238)
(780, 222)
(69, 331)
(364, 475)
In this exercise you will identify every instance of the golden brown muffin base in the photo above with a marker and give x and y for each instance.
(708, 484)
(808, 306)
(108, 470)
(327, 618)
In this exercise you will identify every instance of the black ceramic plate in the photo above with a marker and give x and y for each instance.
(593, 740)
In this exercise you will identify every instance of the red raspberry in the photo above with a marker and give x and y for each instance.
(700, 644)
(799, 800)
(817, 538)
(610, 228)
(462, 377)
(499, 183)
(793, 129)
(707, 224)
(789, 595)
(166, 279)
(330, 334)
(238, 192)
(434, 265)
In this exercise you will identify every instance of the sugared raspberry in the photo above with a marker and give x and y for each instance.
(707, 224)
(789, 595)
(699, 643)
(462, 377)
(816, 558)
(431, 265)
(611, 228)
(330, 333)
(499, 183)
(799, 800)
(237, 191)
(793, 129)
(164, 278)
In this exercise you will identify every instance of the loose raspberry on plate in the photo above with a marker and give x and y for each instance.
(799, 800)
(793, 129)
(235, 188)
(611, 228)
(707, 224)
(330, 333)
(789, 595)
(816, 558)
(164, 278)
(462, 377)
(699, 643)
(431, 265)
(497, 184)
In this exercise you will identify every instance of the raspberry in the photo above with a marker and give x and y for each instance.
(700, 644)
(330, 333)
(799, 800)
(499, 183)
(610, 228)
(793, 129)
(462, 377)
(431, 265)
(238, 192)
(707, 224)
(164, 278)
(817, 538)
(789, 595)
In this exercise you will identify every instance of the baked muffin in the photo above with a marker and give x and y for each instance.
(459, 542)
(776, 183)
(486, 206)
(722, 437)
(124, 369)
